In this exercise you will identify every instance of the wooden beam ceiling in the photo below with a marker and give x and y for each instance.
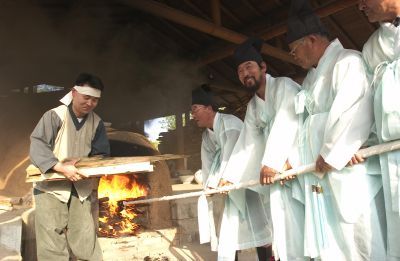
(204, 26)
(216, 11)
(277, 30)
(251, 7)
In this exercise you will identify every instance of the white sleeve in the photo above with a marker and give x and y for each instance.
(351, 115)
(208, 149)
(229, 138)
(245, 161)
(284, 130)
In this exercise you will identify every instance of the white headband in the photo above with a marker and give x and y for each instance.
(86, 90)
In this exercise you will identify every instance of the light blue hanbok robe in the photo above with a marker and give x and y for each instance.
(216, 148)
(381, 54)
(269, 138)
(342, 222)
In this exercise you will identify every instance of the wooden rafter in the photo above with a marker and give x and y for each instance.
(197, 9)
(216, 11)
(178, 32)
(204, 26)
(342, 33)
(229, 13)
(251, 7)
(370, 26)
(338, 28)
(277, 30)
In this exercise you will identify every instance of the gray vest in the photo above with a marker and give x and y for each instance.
(71, 143)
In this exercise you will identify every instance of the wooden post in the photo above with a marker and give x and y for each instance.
(180, 138)
(216, 12)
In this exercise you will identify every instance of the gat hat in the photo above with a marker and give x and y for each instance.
(248, 51)
(203, 95)
(302, 21)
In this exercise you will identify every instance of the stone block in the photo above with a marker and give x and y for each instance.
(11, 233)
(28, 235)
(185, 208)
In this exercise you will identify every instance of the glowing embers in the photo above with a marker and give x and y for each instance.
(115, 220)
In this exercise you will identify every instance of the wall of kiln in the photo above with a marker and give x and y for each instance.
(124, 143)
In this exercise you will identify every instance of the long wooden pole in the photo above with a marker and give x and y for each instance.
(364, 153)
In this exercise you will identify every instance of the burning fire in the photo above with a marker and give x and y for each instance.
(115, 219)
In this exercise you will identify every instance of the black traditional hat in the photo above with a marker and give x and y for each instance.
(248, 51)
(302, 21)
(203, 95)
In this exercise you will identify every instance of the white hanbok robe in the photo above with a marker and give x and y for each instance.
(216, 148)
(269, 138)
(342, 222)
(381, 54)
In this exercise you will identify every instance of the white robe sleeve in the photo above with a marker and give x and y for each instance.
(351, 115)
(208, 149)
(229, 138)
(226, 131)
(245, 161)
(283, 132)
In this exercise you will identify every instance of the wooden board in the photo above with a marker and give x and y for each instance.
(97, 166)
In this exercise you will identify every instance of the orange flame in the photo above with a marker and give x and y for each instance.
(117, 188)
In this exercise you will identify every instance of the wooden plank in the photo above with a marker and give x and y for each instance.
(7, 208)
(10, 201)
(92, 171)
(112, 161)
(96, 167)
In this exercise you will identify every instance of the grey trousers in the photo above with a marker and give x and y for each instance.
(61, 225)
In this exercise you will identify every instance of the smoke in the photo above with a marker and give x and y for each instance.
(53, 43)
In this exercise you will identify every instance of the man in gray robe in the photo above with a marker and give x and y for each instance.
(63, 217)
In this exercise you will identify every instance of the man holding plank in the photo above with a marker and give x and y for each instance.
(63, 215)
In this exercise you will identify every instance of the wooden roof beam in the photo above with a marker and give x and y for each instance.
(339, 29)
(216, 11)
(179, 32)
(229, 13)
(201, 25)
(197, 9)
(252, 8)
(327, 10)
(342, 33)
(370, 26)
(277, 30)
